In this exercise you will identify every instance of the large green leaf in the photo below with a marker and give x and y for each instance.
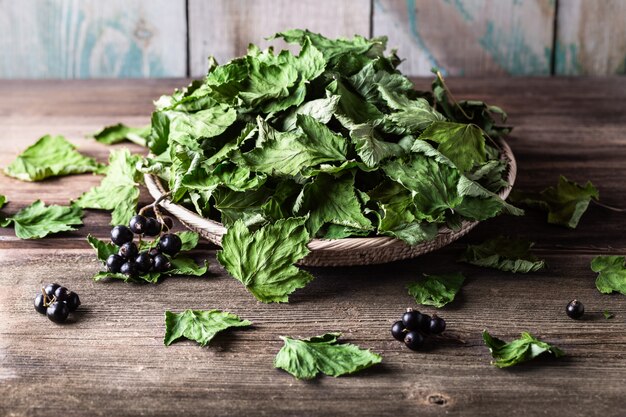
(38, 220)
(331, 200)
(305, 358)
(110, 135)
(264, 260)
(520, 350)
(611, 273)
(463, 144)
(119, 189)
(505, 254)
(50, 156)
(436, 290)
(199, 325)
(565, 203)
(370, 148)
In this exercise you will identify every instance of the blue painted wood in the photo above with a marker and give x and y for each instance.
(92, 38)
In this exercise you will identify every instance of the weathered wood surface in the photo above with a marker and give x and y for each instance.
(93, 38)
(591, 37)
(225, 28)
(111, 361)
(478, 37)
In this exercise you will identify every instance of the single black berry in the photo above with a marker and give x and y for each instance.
(61, 294)
(137, 224)
(575, 309)
(73, 301)
(424, 324)
(40, 305)
(170, 244)
(398, 330)
(161, 263)
(114, 263)
(168, 222)
(414, 340)
(153, 227)
(128, 250)
(437, 325)
(144, 262)
(58, 311)
(121, 235)
(129, 268)
(50, 289)
(412, 319)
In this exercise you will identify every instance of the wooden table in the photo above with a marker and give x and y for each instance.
(112, 361)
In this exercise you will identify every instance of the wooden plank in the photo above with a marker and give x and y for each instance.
(469, 37)
(224, 28)
(591, 37)
(92, 38)
(111, 360)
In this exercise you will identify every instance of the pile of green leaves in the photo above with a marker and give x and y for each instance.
(335, 134)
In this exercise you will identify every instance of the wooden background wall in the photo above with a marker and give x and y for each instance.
(172, 38)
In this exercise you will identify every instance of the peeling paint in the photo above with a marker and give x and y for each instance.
(417, 37)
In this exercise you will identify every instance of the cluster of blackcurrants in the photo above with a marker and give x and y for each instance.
(129, 261)
(56, 302)
(415, 327)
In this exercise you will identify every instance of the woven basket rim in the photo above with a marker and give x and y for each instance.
(214, 231)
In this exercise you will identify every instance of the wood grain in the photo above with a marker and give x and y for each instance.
(591, 37)
(224, 28)
(93, 39)
(111, 360)
(475, 37)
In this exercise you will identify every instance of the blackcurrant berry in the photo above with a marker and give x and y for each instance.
(398, 330)
(114, 263)
(161, 263)
(144, 262)
(61, 294)
(154, 252)
(412, 319)
(170, 244)
(58, 311)
(50, 289)
(121, 235)
(153, 227)
(168, 222)
(414, 340)
(424, 324)
(129, 268)
(575, 309)
(128, 250)
(437, 325)
(73, 301)
(40, 306)
(137, 224)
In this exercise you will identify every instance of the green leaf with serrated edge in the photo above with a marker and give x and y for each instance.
(119, 189)
(38, 220)
(279, 153)
(436, 290)
(264, 260)
(370, 148)
(187, 266)
(110, 135)
(199, 325)
(305, 358)
(50, 156)
(463, 144)
(321, 110)
(3, 201)
(103, 249)
(331, 200)
(412, 115)
(565, 203)
(505, 254)
(188, 128)
(611, 273)
(520, 350)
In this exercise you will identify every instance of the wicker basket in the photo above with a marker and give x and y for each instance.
(338, 252)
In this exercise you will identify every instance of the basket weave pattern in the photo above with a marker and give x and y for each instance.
(338, 252)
